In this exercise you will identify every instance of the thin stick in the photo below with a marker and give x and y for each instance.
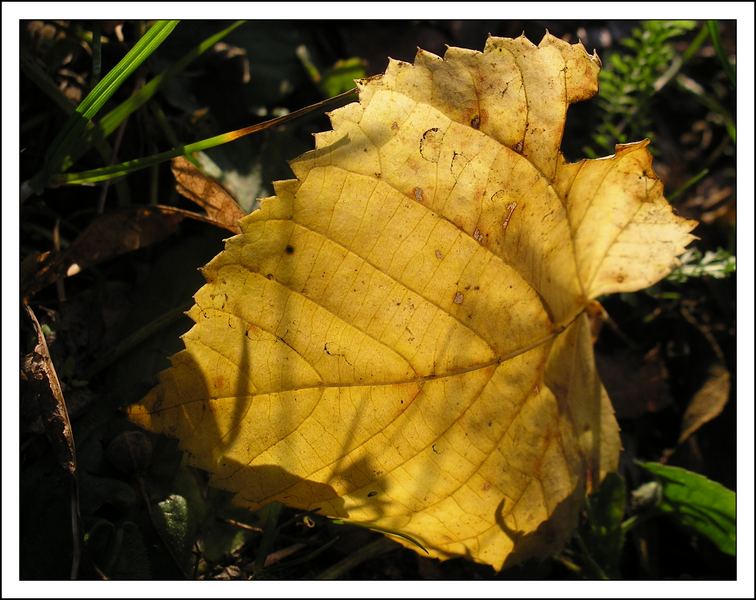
(373, 549)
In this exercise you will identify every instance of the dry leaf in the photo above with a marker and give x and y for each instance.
(707, 403)
(637, 383)
(46, 390)
(210, 195)
(120, 231)
(107, 236)
(398, 337)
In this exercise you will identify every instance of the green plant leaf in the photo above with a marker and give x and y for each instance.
(697, 502)
(219, 537)
(177, 525)
(718, 265)
(605, 510)
(341, 76)
(631, 79)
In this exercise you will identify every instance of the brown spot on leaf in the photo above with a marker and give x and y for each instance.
(458, 163)
(459, 298)
(430, 144)
(418, 194)
(475, 122)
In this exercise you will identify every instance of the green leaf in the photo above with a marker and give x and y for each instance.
(178, 518)
(698, 503)
(605, 536)
(606, 508)
(218, 535)
(340, 77)
(177, 526)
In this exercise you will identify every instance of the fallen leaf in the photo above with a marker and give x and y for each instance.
(210, 195)
(279, 555)
(637, 383)
(120, 231)
(707, 403)
(46, 390)
(712, 397)
(398, 338)
(107, 236)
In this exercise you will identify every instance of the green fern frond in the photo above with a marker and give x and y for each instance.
(627, 83)
(719, 264)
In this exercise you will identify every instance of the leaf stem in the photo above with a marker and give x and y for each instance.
(596, 571)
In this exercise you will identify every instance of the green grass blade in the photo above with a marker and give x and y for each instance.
(141, 51)
(717, 43)
(71, 133)
(115, 117)
(129, 166)
(687, 185)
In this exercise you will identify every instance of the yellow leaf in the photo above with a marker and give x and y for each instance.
(398, 337)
